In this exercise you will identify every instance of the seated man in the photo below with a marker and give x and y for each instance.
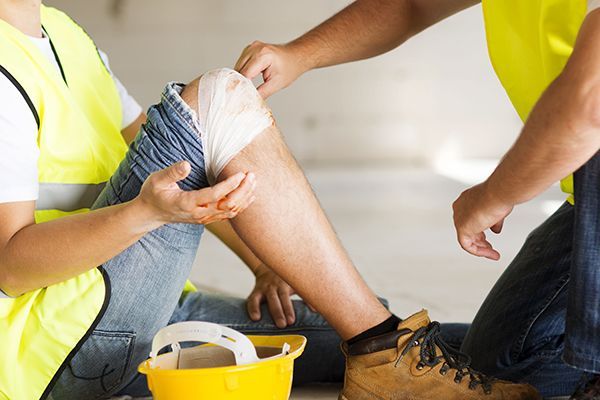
(73, 331)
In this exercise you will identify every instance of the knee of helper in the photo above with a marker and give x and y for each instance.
(231, 113)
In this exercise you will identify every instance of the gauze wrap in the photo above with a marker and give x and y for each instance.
(231, 114)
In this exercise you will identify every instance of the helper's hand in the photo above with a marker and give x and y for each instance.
(168, 203)
(280, 65)
(273, 290)
(475, 211)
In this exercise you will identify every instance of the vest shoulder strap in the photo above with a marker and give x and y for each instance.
(21, 90)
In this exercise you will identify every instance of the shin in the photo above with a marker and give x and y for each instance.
(285, 227)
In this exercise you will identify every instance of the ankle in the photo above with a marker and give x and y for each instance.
(387, 326)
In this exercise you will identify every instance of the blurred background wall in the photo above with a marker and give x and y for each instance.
(436, 97)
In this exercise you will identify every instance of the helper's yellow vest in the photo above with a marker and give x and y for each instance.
(529, 43)
(79, 116)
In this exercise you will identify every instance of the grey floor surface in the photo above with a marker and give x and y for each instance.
(396, 223)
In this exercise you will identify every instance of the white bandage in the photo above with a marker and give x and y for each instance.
(231, 114)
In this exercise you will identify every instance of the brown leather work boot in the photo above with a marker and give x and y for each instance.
(414, 363)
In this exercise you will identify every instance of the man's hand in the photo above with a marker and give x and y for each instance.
(475, 211)
(167, 203)
(273, 290)
(280, 65)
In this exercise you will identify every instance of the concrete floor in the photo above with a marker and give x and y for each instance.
(397, 226)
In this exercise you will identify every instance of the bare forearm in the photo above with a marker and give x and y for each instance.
(557, 139)
(367, 28)
(35, 256)
(562, 131)
(40, 255)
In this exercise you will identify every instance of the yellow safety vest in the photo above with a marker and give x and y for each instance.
(529, 42)
(79, 115)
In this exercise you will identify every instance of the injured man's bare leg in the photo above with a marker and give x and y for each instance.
(285, 227)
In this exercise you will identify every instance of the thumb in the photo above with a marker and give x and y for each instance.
(174, 173)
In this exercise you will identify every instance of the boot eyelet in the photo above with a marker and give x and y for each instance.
(420, 366)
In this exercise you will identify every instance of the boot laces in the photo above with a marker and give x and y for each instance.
(429, 339)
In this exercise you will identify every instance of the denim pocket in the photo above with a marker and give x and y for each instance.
(102, 362)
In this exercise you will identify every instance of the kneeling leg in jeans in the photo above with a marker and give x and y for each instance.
(285, 228)
(540, 323)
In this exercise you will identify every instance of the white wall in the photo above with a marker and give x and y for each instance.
(436, 96)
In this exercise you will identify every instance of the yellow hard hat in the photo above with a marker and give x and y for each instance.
(229, 366)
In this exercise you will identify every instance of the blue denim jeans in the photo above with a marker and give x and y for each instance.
(147, 279)
(541, 321)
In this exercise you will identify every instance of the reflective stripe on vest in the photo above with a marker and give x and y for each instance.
(529, 44)
(80, 145)
(67, 197)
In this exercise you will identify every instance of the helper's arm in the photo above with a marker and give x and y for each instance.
(33, 255)
(366, 28)
(560, 135)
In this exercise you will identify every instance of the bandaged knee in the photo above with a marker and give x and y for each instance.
(231, 114)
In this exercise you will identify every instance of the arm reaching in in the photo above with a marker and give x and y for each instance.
(560, 135)
(33, 256)
(364, 29)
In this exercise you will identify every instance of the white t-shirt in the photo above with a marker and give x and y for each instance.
(19, 151)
